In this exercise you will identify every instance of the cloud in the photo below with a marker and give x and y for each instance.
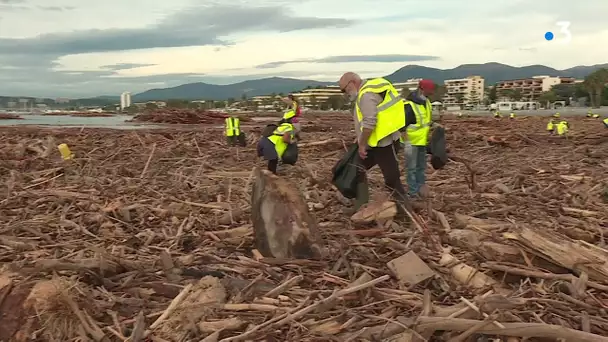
(352, 59)
(76, 49)
(56, 8)
(125, 66)
(192, 27)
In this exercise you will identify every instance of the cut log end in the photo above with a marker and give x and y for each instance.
(283, 226)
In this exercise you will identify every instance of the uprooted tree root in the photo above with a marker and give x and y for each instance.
(147, 234)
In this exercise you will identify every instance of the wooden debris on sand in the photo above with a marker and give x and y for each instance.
(154, 235)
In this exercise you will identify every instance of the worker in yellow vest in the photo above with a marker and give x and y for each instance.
(589, 113)
(556, 115)
(233, 132)
(512, 115)
(605, 121)
(562, 128)
(595, 116)
(292, 114)
(419, 107)
(550, 126)
(497, 115)
(279, 146)
(379, 115)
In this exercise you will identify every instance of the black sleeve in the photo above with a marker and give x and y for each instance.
(410, 116)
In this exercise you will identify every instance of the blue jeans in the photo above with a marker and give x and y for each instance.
(415, 163)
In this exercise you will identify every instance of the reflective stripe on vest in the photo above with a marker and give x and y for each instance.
(418, 133)
(391, 114)
(277, 138)
(233, 127)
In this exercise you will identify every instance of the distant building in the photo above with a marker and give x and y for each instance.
(125, 100)
(409, 85)
(464, 92)
(531, 88)
(62, 100)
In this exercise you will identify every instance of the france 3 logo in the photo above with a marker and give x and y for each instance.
(565, 35)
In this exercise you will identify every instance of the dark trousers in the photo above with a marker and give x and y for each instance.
(386, 159)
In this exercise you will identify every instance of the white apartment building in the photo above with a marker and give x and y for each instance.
(411, 84)
(125, 100)
(530, 89)
(464, 92)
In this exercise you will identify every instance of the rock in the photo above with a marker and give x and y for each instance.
(283, 226)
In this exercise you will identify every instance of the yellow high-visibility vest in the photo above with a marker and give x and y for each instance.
(605, 121)
(512, 115)
(391, 113)
(562, 128)
(418, 133)
(550, 125)
(277, 137)
(233, 127)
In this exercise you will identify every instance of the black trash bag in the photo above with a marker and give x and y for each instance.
(269, 130)
(439, 154)
(242, 139)
(346, 172)
(290, 156)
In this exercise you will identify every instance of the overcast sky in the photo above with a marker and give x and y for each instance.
(88, 48)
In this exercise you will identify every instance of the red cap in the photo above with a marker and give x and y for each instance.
(426, 85)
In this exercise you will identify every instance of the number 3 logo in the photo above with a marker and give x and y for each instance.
(565, 30)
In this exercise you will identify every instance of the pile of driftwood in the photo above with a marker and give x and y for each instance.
(182, 116)
(9, 116)
(172, 236)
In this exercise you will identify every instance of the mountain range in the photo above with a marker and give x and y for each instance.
(491, 72)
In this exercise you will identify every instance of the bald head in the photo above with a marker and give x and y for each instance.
(350, 83)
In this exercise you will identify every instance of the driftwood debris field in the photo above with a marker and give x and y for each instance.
(149, 235)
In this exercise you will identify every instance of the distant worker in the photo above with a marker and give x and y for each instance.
(556, 115)
(589, 113)
(512, 115)
(233, 132)
(562, 128)
(419, 108)
(595, 116)
(550, 126)
(497, 115)
(605, 121)
(279, 146)
(292, 115)
(379, 115)
(459, 115)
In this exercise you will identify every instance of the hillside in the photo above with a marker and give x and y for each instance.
(200, 90)
(491, 72)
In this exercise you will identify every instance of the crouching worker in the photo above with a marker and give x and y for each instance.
(562, 128)
(279, 146)
(550, 126)
(233, 132)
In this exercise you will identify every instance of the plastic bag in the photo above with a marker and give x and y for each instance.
(439, 154)
(242, 139)
(290, 156)
(346, 172)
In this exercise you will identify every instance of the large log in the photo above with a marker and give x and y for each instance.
(283, 226)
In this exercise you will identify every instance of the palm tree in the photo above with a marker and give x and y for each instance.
(595, 84)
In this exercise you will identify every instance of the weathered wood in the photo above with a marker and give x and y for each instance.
(576, 255)
(283, 226)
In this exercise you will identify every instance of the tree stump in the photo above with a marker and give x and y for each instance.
(283, 226)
